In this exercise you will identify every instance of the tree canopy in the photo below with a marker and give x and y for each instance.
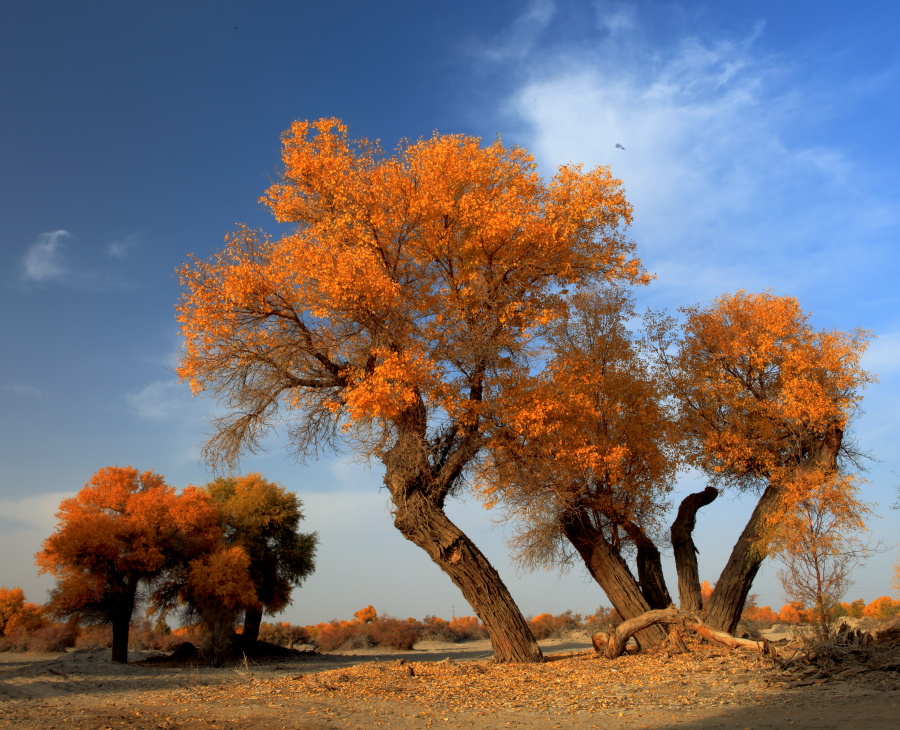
(112, 538)
(397, 315)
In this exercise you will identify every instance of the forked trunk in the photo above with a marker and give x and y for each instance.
(685, 550)
(727, 600)
(252, 622)
(611, 572)
(424, 523)
(651, 580)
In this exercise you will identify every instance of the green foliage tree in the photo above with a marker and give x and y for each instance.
(263, 519)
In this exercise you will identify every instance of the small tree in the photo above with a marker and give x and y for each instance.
(819, 549)
(263, 518)
(112, 539)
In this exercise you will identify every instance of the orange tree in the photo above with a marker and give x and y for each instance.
(764, 401)
(749, 392)
(263, 518)
(111, 540)
(396, 314)
(585, 469)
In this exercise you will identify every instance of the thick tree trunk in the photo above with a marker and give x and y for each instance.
(252, 622)
(611, 572)
(424, 523)
(733, 586)
(651, 580)
(121, 623)
(686, 552)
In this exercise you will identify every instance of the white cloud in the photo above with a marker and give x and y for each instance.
(122, 247)
(517, 40)
(162, 400)
(727, 192)
(45, 259)
(24, 524)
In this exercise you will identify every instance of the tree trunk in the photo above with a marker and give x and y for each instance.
(651, 580)
(121, 623)
(424, 523)
(728, 597)
(685, 550)
(252, 621)
(611, 572)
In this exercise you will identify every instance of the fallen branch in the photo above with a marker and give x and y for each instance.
(613, 644)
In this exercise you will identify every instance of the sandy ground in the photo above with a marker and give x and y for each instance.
(440, 686)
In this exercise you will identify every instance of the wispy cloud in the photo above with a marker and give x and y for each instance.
(162, 400)
(517, 40)
(728, 192)
(122, 247)
(45, 259)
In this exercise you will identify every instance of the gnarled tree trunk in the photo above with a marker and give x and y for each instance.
(613, 644)
(607, 567)
(424, 523)
(685, 550)
(728, 597)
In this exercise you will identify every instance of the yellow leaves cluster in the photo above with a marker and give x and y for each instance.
(758, 384)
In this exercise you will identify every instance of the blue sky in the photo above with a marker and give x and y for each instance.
(760, 152)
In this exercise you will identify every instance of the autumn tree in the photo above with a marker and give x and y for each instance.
(819, 546)
(263, 519)
(397, 315)
(764, 401)
(204, 577)
(110, 542)
(749, 392)
(585, 468)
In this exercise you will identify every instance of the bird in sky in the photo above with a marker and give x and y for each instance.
(618, 146)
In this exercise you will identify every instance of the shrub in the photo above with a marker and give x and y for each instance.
(467, 627)
(97, 637)
(603, 619)
(545, 625)
(434, 628)
(48, 638)
(334, 634)
(392, 632)
(760, 614)
(283, 634)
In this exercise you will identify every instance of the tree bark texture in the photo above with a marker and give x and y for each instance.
(424, 523)
(613, 644)
(685, 550)
(651, 580)
(611, 572)
(728, 597)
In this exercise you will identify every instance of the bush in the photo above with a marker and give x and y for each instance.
(334, 634)
(760, 615)
(94, 637)
(545, 625)
(49, 638)
(603, 619)
(392, 632)
(464, 628)
(283, 634)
